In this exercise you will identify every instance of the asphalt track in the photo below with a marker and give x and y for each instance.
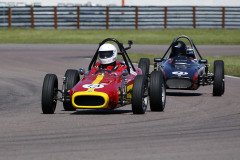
(194, 126)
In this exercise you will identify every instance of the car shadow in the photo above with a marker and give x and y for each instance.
(182, 94)
(100, 112)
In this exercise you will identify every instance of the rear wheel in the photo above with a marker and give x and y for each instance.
(72, 79)
(218, 83)
(140, 94)
(49, 94)
(157, 91)
(144, 64)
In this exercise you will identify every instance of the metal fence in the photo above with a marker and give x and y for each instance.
(155, 17)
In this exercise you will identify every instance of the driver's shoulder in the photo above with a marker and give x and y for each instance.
(120, 64)
(98, 64)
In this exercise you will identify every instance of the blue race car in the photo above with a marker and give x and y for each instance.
(184, 68)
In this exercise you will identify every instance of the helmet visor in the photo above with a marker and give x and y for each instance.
(105, 54)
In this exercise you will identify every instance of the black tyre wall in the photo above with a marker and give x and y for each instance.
(144, 64)
(156, 89)
(147, 60)
(139, 85)
(72, 79)
(218, 83)
(49, 91)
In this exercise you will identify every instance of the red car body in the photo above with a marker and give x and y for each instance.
(102, 90)
(106, 86)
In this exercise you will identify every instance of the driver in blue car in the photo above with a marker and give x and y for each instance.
(179, 48)
(108, 60)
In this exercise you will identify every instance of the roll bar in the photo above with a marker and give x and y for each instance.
(190, 41)
(122, 50)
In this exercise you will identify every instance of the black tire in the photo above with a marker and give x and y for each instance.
(157, 91)
(144, 64)
(218, 83)
(145, 60)
(140, 94)
(72, 79)
(49, 92)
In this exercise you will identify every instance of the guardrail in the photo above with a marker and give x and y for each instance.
(154, 17)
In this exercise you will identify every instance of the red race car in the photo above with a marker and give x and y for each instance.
(108, 84)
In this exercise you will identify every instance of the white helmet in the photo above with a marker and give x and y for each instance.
(107, 53)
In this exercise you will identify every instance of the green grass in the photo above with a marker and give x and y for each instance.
(157, 37)
(231, 63)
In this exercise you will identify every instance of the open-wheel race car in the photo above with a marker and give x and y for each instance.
(184, 68)
(108, 84)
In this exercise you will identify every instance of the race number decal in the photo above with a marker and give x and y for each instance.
(93, 86)
(179, 73)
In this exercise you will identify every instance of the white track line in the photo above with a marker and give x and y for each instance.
(232, 77)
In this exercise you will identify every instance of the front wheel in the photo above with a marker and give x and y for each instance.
(49, 94)
(218, 83)
(140, 94)
(157, 91)
(72, 79)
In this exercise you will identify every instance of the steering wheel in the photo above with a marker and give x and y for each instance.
(102, 71)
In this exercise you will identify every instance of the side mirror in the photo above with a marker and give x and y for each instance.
(130, 42)
(157, 60)
(81, 71)
(203, 61)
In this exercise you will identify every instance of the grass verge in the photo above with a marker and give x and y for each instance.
(231, 63)
(163, 36)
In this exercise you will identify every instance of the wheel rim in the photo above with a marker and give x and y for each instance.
(144, 103)
(163, 95)
(55, 93)
(145, 97)
(223, 85)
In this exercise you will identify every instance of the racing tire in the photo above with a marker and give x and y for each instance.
(73, 78)
(157, 91)
(144, 64)
(49, 93)
(218, 83)
(140, 94)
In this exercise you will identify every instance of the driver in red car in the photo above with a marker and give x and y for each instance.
(107, 60)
